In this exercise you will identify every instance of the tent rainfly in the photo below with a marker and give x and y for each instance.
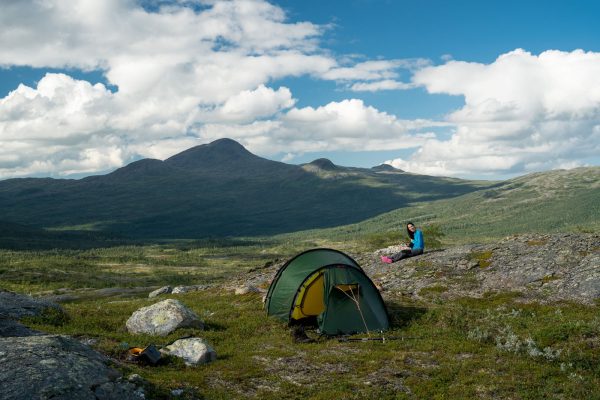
(329, 287)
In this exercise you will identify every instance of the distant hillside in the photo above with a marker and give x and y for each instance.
(22, 237)
(545, 202)
(218, 189)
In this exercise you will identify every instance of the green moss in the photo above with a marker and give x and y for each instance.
(482, 257)
(550, 278)
(49, 316)
(437, 289)
(536, 242)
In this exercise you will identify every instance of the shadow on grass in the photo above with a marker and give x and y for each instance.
(211, 326)
(402, 315)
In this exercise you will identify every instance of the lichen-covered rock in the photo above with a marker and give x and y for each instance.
(159, 291)
(194, 351)
(163, 318)
(58, 367)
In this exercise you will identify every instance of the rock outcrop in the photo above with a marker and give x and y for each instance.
(545, 268)
(163, 318)
(16, 306)
(58, 367)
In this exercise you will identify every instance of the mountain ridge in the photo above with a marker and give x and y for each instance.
(218, 189)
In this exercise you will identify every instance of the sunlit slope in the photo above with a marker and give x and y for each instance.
(562, 200)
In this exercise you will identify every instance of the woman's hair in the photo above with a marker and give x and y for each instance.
(410, 234)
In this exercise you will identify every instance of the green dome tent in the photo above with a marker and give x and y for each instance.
(330, 286)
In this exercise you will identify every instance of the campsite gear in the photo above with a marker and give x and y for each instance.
(329, 287)
(376, 339)
(149, 355)
(299, 335)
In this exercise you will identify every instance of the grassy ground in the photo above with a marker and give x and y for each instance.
(177, 263)
(490, 348)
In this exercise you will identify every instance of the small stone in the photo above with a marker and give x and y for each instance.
(186, 289)
(194, 351)
(135, 379)
(246, 289)
(158, 292)
(176, 392)
(181, 289)
(89, 341)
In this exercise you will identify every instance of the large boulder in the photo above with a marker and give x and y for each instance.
(194, 351)
(58, 367)
(162, 318)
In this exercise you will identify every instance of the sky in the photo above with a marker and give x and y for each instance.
(470, 89)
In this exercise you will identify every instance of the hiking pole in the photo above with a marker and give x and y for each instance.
(378, 339)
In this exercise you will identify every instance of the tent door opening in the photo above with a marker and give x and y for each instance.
(310, 298)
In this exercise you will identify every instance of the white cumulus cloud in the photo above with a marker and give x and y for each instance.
(348, 125)
(179, 72)
(523, 112)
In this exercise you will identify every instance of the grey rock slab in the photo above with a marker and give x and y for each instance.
(162, 318)
(194, 351)
(58, 367)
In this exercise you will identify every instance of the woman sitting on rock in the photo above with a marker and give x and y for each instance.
(415, 247)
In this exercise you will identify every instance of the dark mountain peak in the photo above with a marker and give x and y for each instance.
(212, 155)
(226, 144)
(323, 164)
(140, 168)
(386, 167)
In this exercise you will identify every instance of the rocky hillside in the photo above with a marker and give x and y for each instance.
(543, 268)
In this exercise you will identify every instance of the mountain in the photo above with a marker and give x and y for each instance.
(218, 189)
(385, 167)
